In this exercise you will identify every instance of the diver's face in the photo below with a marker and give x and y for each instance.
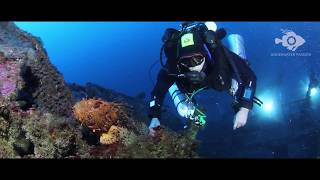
(194, 62)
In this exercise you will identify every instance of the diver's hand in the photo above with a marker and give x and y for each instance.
(154, 124)
(240, 118)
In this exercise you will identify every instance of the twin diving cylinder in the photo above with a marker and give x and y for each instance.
(236, 44)
(185, 107)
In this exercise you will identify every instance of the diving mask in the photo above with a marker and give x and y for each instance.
(193, 62)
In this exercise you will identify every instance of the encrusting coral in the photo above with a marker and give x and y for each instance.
(118, 135)
(98, 115)
(167, 144)
(106, 119)
(32, 134)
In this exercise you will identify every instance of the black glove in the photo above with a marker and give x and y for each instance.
(236, 107)
(154, 110)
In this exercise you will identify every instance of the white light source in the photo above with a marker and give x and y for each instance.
(211, 25)
(313, 91)
(268, 107)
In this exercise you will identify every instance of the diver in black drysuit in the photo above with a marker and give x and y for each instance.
(314, 82)
(206, 63)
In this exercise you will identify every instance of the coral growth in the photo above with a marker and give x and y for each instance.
(167, 144)
(106, 119)
(118, 135)
(99, 115)
(6, 150)
(53, 137)
(9, 74)
(33, 134)
(113, 135)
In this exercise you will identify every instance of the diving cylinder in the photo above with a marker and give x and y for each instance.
(184, 107)
(236, 45)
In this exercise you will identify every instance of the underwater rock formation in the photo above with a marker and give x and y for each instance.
(168, 144)
(32, 134)
(35, 103)
(27, 74)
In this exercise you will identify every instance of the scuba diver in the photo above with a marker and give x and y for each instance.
(312, 88)
(197, 60)
(313, 84)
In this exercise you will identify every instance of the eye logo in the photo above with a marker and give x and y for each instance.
(290, 40)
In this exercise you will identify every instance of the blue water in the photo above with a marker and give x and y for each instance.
(113, 54)
(118, 55)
